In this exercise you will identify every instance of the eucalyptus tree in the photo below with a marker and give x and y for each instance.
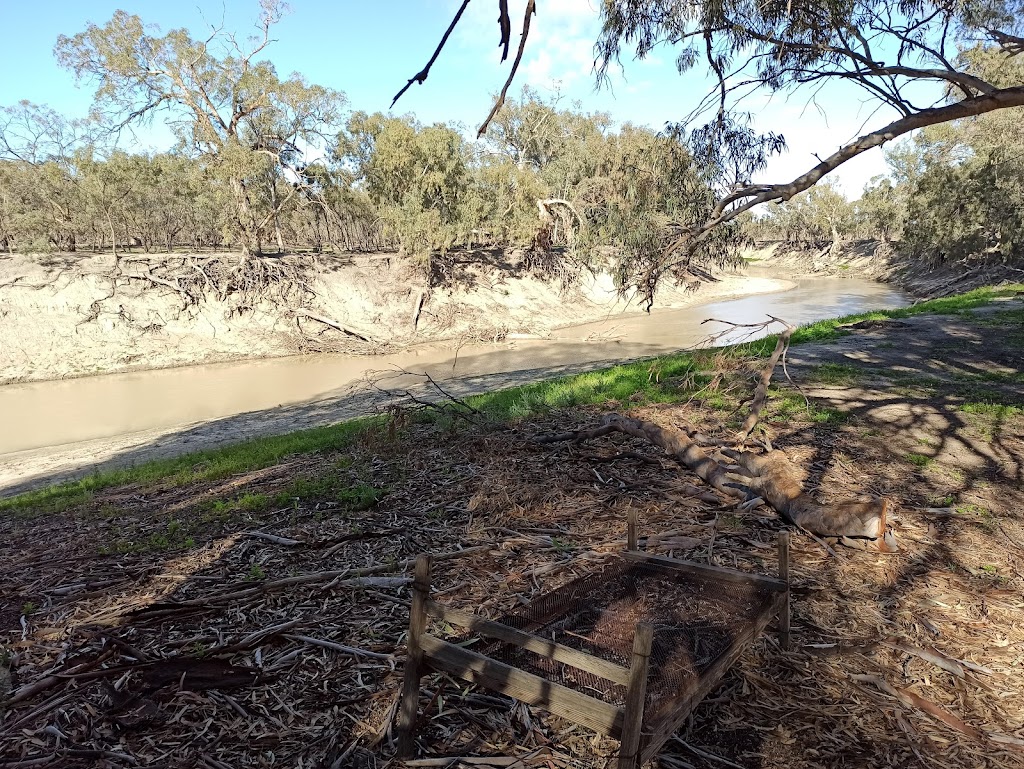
(595, 186)
(964, 182)
(108, 186)
(179, 204)
(629, 187)
(881, 210)
(415, 176)
(887, 48)
(534, 132)
(227, 107)
(817, 217)
(40, 190)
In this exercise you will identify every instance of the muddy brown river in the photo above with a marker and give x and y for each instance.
(58, 429)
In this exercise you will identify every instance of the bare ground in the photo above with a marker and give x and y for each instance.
(70, 315)
(156, 627)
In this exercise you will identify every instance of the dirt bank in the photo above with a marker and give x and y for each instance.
(879, 261)
(60, 317)
(185, 634)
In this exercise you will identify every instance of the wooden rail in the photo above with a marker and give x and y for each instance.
(716, 573)
(533, 690)
(627, 723)
(547, 649)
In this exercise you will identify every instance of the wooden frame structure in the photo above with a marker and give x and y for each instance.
(639, 741)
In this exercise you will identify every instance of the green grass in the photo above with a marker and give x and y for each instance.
(784, 405)
(661, 380)
(835, 373)
(332, 488)
(825, 330)
(995, 410)
(1000, 377)
(667, 379)
(920, 460)
(173, 537)
(210, 465)
(256, 573)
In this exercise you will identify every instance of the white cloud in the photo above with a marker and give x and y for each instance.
(560, 46)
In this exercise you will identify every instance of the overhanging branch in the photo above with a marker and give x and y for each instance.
(680, 250)
(422, 75)
(531, 9)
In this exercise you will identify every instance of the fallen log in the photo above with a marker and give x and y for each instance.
(773, 477)
(770, 476)
(302, 312)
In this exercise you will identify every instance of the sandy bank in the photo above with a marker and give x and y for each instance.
(881, 262)
(60, 316)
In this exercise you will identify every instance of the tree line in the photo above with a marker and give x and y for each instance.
(268, 164)
(264, 164)
(954, 191)
(546, 175)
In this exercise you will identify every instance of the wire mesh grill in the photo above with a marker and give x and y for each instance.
(695, 619)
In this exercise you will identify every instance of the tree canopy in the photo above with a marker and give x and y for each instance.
(224, 104)
(888, 48)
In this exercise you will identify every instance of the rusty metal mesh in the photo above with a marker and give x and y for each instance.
(695, 619)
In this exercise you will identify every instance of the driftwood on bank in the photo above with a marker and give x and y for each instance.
(302, 312)
(773, 478)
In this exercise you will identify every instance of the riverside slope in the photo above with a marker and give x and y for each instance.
(61, 316)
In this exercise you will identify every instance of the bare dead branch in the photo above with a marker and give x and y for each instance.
(531, 9)
(422, 75)
(761, 392)
(450, 404)
(505, 24)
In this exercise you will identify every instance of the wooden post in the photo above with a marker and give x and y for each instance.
(631, 529)
(636, 693)
(784, 576)
(414, 659)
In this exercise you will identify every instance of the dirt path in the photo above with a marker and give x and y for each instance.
(277, 647)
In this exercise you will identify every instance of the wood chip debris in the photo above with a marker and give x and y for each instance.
(276, 639)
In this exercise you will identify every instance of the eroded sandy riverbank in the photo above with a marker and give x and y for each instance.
(61, 316)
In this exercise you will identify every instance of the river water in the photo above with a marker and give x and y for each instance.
(256, 397)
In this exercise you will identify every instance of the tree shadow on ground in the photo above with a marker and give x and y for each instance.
(287, 572)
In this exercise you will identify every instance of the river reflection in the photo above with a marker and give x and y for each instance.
(50, 414)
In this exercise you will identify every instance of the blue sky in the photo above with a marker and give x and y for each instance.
(369, 50)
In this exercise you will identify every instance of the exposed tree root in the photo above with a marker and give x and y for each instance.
(247, 282)
(240, 284)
